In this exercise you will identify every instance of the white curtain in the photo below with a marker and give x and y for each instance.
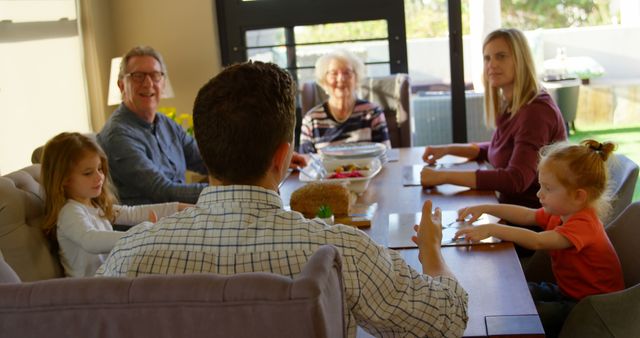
(92, 16)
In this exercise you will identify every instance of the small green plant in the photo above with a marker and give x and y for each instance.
(324, 211)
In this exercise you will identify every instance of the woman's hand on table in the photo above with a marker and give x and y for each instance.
(430, 176)
(433, 153)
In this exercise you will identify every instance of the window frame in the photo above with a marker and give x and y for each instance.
(235, 17)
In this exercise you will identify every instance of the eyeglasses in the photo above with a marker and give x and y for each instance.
(139, 77)
(333, 74)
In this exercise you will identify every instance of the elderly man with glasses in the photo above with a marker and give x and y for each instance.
(148, 152)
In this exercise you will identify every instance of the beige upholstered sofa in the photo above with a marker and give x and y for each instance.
(197, 305)
(194, 305)
(22, 243)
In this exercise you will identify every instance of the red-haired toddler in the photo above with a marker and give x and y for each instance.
(573, 193)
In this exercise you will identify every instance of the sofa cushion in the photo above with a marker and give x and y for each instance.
(23, 245)
(7, 275)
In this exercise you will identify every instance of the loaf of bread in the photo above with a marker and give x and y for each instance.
(308, 199)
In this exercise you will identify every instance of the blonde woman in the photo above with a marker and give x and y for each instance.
(525, 118)
(343, 118)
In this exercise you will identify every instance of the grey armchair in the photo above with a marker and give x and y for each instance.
(391, 92)
(624, 175)
(194, 305)
(614, 314)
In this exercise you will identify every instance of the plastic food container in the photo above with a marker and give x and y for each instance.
(355, 184)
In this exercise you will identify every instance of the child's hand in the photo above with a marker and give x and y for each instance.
(429, 231)
(473, 233)
(475, 211)
(153, 217)
(182, 206)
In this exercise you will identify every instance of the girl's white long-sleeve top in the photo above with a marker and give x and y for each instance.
(85, 237)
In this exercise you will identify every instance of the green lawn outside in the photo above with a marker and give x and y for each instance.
(627, 139)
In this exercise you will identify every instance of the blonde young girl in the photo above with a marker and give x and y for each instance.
(79, 204)
(573, 193)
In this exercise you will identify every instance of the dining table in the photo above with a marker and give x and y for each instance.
(500, 303)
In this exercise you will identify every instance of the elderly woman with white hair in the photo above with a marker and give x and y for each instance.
(343, 117)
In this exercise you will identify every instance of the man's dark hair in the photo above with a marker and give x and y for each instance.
(241, 116)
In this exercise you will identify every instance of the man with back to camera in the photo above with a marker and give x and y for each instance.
(239, 224)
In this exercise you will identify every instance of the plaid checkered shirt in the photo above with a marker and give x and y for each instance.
(239, 228)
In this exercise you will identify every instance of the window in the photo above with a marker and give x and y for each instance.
(282, 31)
(42, 87)
(258, 30)
(531, 15)
(572, 40)
(294, 33)
(367, 39)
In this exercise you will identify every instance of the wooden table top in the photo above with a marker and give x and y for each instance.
(499, 299)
